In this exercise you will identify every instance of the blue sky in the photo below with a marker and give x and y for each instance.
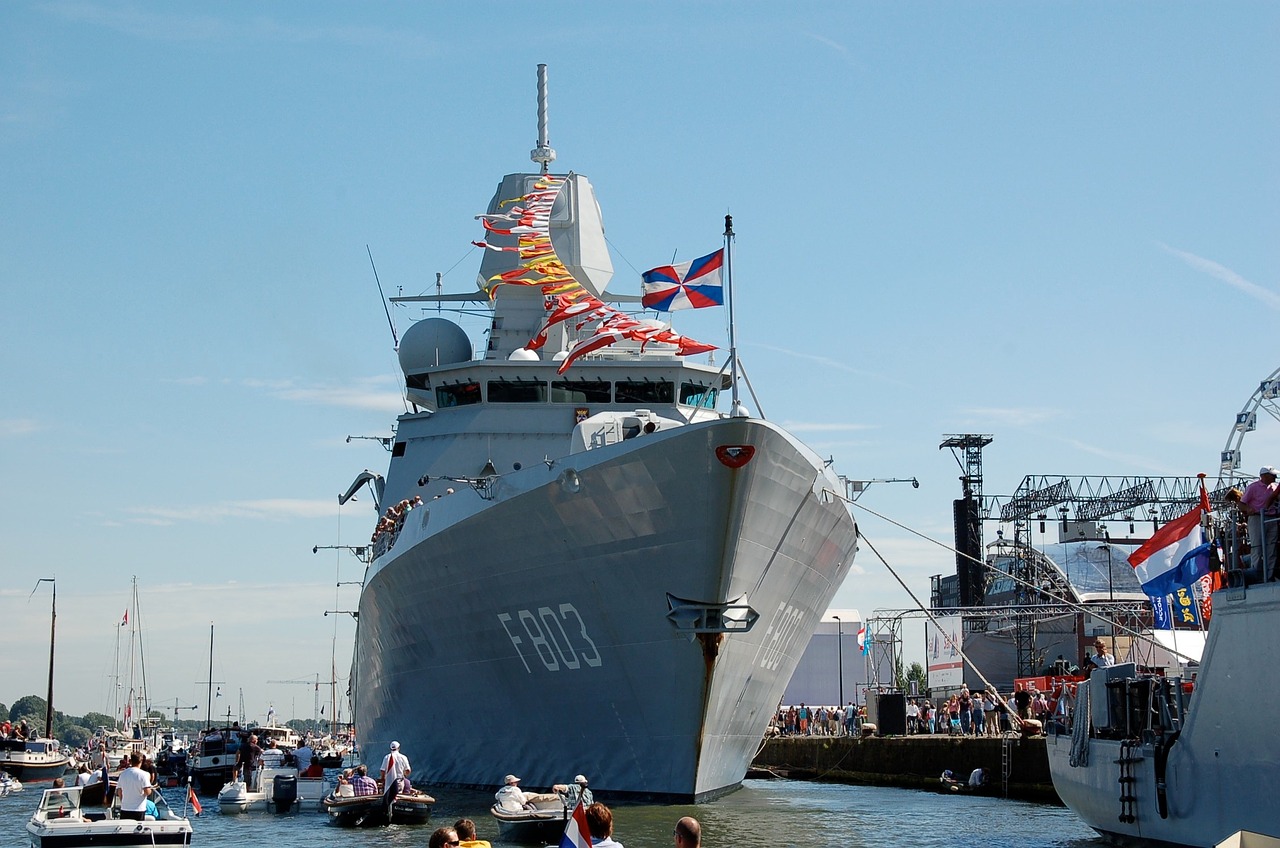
(1055, 223)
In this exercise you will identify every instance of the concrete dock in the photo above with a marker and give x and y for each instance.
(1016, 767)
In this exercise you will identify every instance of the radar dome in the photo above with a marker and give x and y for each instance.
(431, 342)
(523, 354)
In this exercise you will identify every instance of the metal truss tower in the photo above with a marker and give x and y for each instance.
(970, 569)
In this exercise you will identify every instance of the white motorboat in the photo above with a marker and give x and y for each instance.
(540, 822)
(280, 790)
(60, 822)
(9, 784)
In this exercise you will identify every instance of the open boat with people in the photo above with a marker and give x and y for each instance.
(540, 822)
(411, 807)
(673, 558)
(279, 790)
(61, 821)
(1167, 759)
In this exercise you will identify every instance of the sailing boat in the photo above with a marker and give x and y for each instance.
(215, 758)
(38, 758)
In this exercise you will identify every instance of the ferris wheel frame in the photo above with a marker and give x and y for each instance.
(1267, 398)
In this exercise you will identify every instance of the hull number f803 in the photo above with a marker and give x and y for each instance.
(560, 641)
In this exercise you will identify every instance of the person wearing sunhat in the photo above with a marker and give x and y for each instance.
(511, 797)
(571, 793)
(1258, 503)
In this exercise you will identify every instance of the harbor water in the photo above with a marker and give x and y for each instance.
(762, 813)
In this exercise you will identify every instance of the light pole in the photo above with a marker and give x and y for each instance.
(840, 657)
(1111, 589)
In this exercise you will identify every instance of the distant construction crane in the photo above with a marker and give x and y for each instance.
(299, 682)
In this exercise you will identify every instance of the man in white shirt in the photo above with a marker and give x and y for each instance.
(395, 766)
(272, 756)
(134, 785)
(511, 797)
(303, 754)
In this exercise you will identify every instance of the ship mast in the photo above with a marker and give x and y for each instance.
(542, 154)
(735, 409)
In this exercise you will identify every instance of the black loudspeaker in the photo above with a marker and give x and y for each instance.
(969, 567)
(891, 714)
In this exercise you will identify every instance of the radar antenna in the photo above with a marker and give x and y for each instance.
(542, 154)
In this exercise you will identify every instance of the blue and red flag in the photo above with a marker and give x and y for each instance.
(862, 639)
(1176, 556)
(576, 832)
(689, 285)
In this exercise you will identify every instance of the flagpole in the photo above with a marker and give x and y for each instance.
(736, 409)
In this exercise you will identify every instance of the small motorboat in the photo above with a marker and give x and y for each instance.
(60, 820)
(412, 807)
(281, 790)
(540, 822)
(8, 784)
(975, 785)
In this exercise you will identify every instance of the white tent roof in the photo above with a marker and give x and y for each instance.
(1160, 648)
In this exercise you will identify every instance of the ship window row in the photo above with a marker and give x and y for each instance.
(656, 392)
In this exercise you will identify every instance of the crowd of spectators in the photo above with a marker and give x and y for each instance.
(964, 713)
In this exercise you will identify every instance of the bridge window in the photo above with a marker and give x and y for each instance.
(645, 392)
(580, 391)
(692, 394)
(458, 394)
(517, 391)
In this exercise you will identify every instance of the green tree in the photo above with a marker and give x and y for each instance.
(74, 735)
(96, 720)
(30, 707)
(917, 673)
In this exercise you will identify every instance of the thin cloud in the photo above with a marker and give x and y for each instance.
(1226, 275)
(834, 45)
(271, 509)
(144, 23)
(823, 427)
(14, 427)
(1011, 416)
(366, 394)
(830, 363)
(1121, 457)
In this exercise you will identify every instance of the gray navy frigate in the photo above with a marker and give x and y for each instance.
(607, 573)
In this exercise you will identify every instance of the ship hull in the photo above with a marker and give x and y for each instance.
(533, 632)
(1217, 776)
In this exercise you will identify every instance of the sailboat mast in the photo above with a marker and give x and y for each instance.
(144, 701)
(208, 707)
(115, 695)
(53, 629)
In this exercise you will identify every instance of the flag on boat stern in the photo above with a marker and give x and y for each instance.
(1176, 556)
(576, 832)
(193, 800)
(689, 285)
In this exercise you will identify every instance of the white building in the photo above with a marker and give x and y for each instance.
(832, 663)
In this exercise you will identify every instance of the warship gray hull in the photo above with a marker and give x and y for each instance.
(1209, 778)
(632, 612)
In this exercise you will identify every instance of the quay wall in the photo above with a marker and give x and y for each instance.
(912, 761)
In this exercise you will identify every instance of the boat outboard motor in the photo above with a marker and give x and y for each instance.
(284, 792)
